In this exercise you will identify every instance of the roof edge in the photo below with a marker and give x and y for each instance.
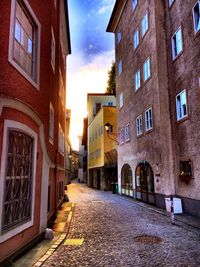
(116, 15)
(67, 26)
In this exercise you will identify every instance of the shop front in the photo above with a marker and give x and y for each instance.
(127, 181)
(144, 181)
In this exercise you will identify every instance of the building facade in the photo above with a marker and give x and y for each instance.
(34, 45)
(102, 146)
(158, 155)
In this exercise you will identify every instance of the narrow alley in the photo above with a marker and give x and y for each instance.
(110, 230)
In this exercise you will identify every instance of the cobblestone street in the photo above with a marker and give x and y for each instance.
(117, 232)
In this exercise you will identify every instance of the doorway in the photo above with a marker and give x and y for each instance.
(144, 181)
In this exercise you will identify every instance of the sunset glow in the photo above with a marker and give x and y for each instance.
(91, 58)
(91, 78)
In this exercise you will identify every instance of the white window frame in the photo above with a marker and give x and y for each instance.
(61, 140)
(148, 119)
(139, 125)
(145, 24)
(35, 79)
(53, 50)
(120, 68)
(121, 139)
(51, 123)
(175, 41)
(136, 39)
(147, 69)
(179, 106)
(170, 2)
(198, 26)
(137, 80)
(9, 124)
(127, 132)
(121, 100)
(119, 37)
(134, 4)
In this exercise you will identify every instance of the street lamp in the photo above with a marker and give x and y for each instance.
(108, 127)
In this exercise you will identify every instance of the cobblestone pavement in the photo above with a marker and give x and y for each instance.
(118, 232)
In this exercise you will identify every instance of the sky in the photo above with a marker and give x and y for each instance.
(91, 58)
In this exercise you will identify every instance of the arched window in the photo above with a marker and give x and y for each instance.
(127, 180)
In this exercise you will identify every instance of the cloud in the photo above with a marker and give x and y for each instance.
(106, 5)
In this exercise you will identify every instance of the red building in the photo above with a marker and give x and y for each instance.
(35, 41)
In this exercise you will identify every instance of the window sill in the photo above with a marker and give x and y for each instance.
(139, 135)
(23, 73)
(182, 119)
(177, 57)
(148, 131)
(51, 141)
(196, 34)
(146, 81)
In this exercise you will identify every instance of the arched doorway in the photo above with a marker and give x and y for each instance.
(144, 181)
(127, 180)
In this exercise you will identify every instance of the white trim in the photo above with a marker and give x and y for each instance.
(170, 2)
(44, 192)
(178, 118)
(53, 50)
(17, 105)
(147, 111)
(36, 83)
(197, 3)
(172, 43)
(138, 118)
(9, 124)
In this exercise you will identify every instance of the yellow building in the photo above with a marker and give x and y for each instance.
(102, 145)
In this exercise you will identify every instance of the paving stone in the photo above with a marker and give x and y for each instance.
(120, 233)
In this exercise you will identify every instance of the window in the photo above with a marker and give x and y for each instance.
(24, 44)
(177, 45)
(121, 100)
(145, 24)
(18, 180)
(185, 168)
(196, 16)
(61, 140)
(137, 80)
(146, 69)
(53, 50)
(119, 37)
(110, 104)
(61, 90)
(51, 123)
(127, 132)
(171, 2)
(148, 119)
(98, 107)
(139, 125)
(120, 67)
(121, 135)
(181, 105)
(136, 38)
(134, 2)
